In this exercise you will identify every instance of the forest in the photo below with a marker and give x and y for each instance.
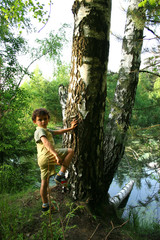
(116, 140)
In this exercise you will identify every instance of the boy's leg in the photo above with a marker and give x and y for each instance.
(43, 190)
(60, 177)
(67, 160)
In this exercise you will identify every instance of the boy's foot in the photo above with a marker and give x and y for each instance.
(61, 180)
(45, 209)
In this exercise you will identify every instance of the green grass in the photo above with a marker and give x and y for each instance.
(17, 213)
(142, 228)
(21, 218)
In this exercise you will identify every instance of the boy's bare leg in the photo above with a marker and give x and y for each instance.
(43, 190)
(67, 160)
(60, 177)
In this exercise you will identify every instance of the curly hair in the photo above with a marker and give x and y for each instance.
(40, 112)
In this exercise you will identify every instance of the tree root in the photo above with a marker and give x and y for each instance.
(113, 228)
(94, 232)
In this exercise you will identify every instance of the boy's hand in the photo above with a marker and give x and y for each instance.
(59, 161)
(74, 123)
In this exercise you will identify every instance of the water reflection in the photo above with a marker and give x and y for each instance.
(144, 200)
(52, 183)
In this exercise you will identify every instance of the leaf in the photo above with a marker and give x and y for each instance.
(142, 4)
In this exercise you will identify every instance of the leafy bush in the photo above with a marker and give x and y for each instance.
(15, 177)
(146, 108)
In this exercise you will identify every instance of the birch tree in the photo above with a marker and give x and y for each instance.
(121, 110)
(87, 95)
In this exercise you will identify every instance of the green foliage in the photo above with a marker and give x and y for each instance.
(51, 45)
(72, 213)
(15, 132)
(144, 229)
(146, 108)
(14, 107)
(21, 218)
(156, 93)
(62, 225)
(151, 3)
(142, 144)
(16, 216)
(152, 9)
(43, 93)
(17, 176)
(142, 148)
(10, 179)
(15, 12)
(11, 71)
(111, 85)
(17, 129)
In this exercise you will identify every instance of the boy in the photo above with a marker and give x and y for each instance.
(48, 155)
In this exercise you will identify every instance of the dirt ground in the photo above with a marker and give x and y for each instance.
(77, 223)
(87, 226)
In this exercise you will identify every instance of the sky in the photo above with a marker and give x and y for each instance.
(61, 13)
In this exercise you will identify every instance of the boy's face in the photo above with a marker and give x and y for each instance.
(42, 121)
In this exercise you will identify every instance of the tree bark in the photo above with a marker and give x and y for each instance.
(122, 195)
(87, 95)
(63, 92)
(121, 110)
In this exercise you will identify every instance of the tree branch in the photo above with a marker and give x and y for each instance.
(29, 67)
(13, 97)
(48, 17)
(149, 107)
(152, 32)
(113, 228)
(94, 232)
(146, 71)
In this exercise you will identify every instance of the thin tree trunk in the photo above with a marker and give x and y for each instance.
(62, 91)
(121, 110)
(87, 95)
(122, 195)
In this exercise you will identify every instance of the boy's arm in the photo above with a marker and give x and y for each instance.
(50, 148)
(74, 124)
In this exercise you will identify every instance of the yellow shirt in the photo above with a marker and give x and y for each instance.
(46, 160)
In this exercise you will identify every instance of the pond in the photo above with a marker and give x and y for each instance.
(144, 199)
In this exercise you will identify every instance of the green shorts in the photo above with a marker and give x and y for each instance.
(47, 162)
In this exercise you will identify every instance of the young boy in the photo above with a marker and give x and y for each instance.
(48, 155)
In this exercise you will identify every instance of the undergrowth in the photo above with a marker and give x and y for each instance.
(21, 218)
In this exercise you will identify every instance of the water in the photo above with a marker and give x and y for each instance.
(52, 183)
(150, 188)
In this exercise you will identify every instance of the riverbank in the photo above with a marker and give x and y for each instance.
(21, 218)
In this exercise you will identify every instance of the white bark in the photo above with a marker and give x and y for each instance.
(119, 197)
(63, 93)
(87, 95)
(121, 110)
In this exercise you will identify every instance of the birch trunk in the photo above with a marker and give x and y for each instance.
(122, 195)
(120, 115)
(62, 91)
(87, 95)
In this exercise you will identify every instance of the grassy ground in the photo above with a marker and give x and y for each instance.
(21, 218)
